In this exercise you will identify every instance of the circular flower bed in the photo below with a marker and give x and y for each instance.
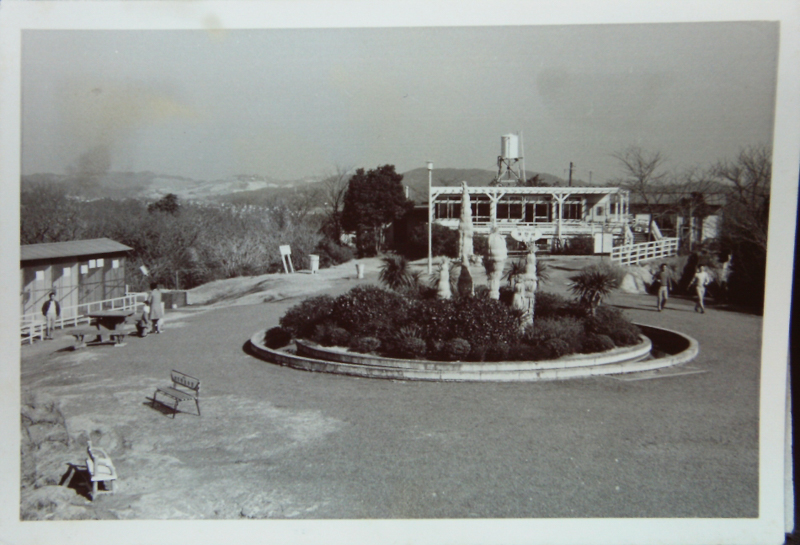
(372, 320)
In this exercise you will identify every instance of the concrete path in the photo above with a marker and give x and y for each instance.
(277, 442)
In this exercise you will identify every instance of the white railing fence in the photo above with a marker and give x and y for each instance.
(633, 254)
(32, 325)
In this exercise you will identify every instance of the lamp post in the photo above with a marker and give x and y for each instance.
(430, 220)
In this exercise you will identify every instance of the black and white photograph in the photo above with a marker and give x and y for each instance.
(398, 272)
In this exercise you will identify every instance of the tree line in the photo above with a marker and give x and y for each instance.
(181, 244)
(741, 186)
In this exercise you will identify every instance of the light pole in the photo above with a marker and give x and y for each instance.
(430, 220)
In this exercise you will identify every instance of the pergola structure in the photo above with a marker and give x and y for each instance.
(558, 213)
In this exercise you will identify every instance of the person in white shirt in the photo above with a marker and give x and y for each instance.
(700, 281)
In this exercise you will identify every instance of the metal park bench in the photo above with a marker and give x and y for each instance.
(184, 388)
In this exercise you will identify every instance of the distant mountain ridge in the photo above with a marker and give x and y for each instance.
(150, 185)
(245, 188)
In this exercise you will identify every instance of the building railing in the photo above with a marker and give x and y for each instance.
(548, 228)
(33, 325)
(633, 254)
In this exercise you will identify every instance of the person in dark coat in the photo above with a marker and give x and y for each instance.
(156, 311)
(52, 311)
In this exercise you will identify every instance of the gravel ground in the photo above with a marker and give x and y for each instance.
(275, 442)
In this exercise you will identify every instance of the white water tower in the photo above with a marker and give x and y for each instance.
(509, 146)
(510, 160)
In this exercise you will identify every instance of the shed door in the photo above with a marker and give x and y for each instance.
(65, 284)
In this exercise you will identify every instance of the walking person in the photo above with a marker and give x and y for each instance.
(156, 311)
(700, 281)
(665, 283)
(52, 311)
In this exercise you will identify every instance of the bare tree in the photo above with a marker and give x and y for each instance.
(746, 214)
(644, 177)
(334, 188)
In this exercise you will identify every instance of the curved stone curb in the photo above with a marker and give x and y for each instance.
(623, 360)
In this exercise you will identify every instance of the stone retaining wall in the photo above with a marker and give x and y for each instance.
(615, 361)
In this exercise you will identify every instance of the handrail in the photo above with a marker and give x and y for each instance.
(32, 325)
(632, 254)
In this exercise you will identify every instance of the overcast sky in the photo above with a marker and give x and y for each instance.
(295, 103)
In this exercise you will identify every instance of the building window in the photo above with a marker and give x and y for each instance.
(598, 210)
(572, 210)
(115, 264)
(39, 275)
(66, 271)
(448, 207)
(84, 269)
(92, 264)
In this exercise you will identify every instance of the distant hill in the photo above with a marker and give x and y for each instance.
(149, 185)
(246, 188)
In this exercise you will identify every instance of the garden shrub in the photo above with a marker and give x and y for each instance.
(369, 311)
(482, 291)
(594, 342)
(524, 352)
(411, 347)
(625, 337)
(568, 329)
(551, 304)
(332, 253)
(611, 322)
(301, 319)
(456, 349)
(277, 337)
(338, 336)
(365, 345)
(436, 317)
(478, 352)
(498, 351)
(320, 334)
(480, 245)
(555, 348)
(485, 321)
(444, 241)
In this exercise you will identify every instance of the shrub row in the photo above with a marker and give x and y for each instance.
(373, 320)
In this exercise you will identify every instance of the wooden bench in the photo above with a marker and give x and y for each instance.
(80, 333)
(184, 388)
(101, 470)
(116, 336)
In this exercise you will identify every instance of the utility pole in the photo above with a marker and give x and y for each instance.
(430, 218)
(570, 173)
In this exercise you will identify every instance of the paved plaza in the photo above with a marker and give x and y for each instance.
(275, 442)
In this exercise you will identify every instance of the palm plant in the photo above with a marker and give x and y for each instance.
(542, 276)
(395, 272)
(593, 284)
(514, 271)
(518, 267)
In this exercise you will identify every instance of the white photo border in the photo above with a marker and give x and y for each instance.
(769, 527)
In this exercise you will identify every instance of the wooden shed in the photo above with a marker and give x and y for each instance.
(79, 271)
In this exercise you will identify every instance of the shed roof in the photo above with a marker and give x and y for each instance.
(73, 248)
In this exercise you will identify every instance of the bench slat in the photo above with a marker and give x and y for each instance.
(177, 394)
